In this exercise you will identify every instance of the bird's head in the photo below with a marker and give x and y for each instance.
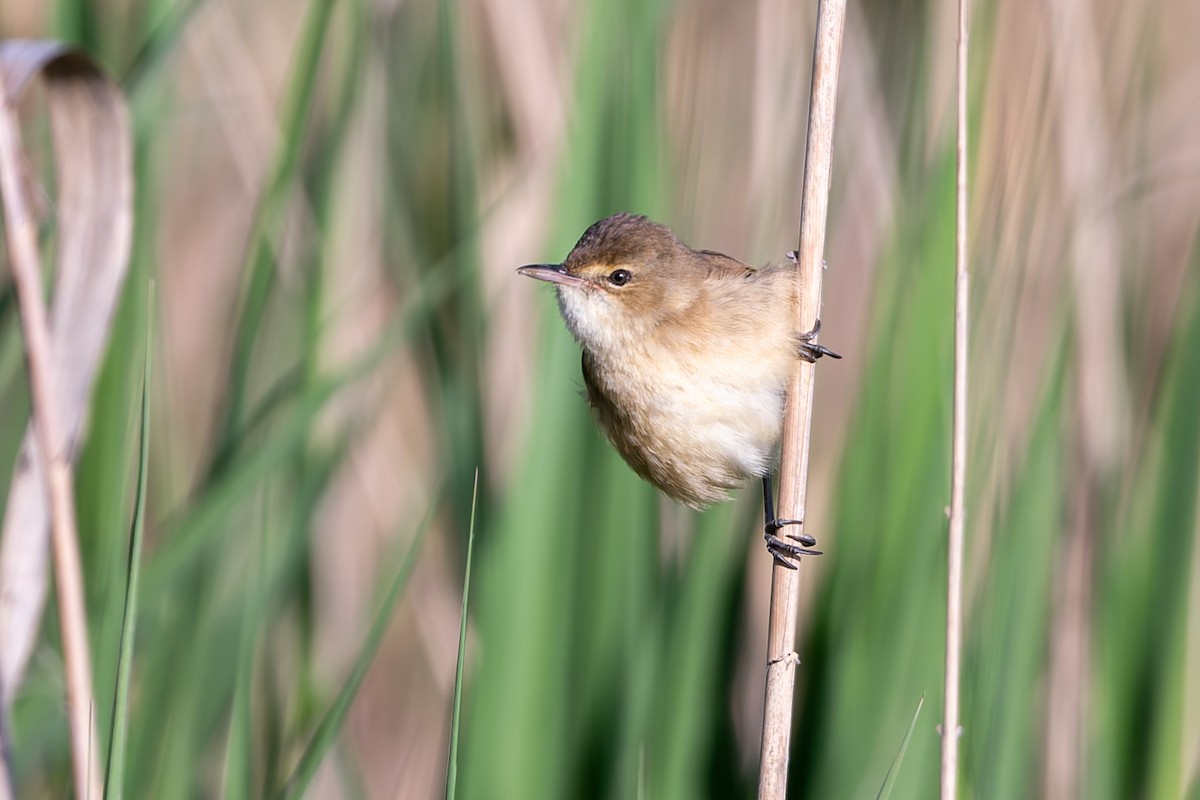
(624, 276)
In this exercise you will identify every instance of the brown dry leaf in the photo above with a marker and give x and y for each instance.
(94, 223)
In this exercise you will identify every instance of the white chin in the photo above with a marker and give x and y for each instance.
(589, 316)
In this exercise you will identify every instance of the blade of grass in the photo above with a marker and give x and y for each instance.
(889, 780)
(689, 671)
(1144, 590)
(239, 741)
(331, 724)
(261, 257)
(162, 39)
(455, 714)
(249, 461)
(114, 783)
(1009, 626)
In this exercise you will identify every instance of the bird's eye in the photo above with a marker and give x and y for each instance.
(619, 277)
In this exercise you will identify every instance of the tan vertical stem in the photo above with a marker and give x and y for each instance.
(797, 425)
(958, 468)
(52, 445)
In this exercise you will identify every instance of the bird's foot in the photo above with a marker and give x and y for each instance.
(811, 351)
(784, 551)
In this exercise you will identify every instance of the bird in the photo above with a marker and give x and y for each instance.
(686, 358)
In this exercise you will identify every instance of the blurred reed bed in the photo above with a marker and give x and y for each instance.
(332, 203)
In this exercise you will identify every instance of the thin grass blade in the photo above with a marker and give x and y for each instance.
(889, 780)
(456, 713)
(118, 737)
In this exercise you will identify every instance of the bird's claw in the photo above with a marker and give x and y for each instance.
(794, 257)
(772, 528)
(787, 553)
(784, 552)
(809, 350)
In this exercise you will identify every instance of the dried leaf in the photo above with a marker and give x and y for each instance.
(94, 209)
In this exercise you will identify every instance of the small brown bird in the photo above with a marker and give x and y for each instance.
(686, 357)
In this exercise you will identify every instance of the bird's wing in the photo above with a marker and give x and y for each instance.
(723, 265)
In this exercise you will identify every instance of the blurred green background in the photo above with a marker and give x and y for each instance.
(332, 198)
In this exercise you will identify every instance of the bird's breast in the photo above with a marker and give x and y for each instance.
(694, 422)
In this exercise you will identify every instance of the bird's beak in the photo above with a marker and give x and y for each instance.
(553, 273)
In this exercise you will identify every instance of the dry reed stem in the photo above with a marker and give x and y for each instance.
(26, 273)
(958, 469)
(797, 426)
(92, 148)
(93, 214)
